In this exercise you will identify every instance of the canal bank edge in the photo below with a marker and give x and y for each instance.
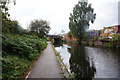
(101, 43)
(64, 69)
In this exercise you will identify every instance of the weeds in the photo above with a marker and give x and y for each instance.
(17, 53)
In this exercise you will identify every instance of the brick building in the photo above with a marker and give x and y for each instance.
(69, 39)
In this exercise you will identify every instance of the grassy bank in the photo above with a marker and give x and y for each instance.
(18, 52)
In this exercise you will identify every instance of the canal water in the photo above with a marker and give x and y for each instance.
(91, 62)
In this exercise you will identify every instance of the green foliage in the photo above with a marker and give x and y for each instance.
(116, 37)
(99, 38)
(71, 42)
(58, 40)
(13, 67)
(18, 52)
(7, 24)
(64, 41)
(56, 53)
(72, 75)
(11, 26)
(110, 44)
(4, 6)
(41, 27)
(25, 46)
(80, 18)
(69, 34)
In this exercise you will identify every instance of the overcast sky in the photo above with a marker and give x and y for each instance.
(57, 13)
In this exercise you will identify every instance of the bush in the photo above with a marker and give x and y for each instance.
(13, 67)
(17, 53)
(116, 37)
(110, 44)
(25, 46)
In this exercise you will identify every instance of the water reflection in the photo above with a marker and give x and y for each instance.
(91, 62)
(81, 65)
(106, 61)
(58, 44)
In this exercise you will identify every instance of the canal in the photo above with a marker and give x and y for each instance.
(91, 62)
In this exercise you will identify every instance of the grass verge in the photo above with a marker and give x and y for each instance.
(64, 69)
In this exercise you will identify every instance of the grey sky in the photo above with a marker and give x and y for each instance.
(107, 13)
(57, 13)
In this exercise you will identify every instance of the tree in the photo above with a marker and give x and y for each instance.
(7, 24)
(41, 27)
(80, 18)
(4, 6)
(10, 26)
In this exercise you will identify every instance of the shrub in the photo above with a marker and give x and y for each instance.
(116, 37)
(27, 46)
(110, 44)
(17, 53)
(13, 67)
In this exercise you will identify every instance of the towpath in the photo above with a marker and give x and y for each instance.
(46, 66)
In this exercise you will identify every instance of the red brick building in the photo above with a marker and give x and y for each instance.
(69, 39)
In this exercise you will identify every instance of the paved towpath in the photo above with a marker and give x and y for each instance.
(46, 66)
